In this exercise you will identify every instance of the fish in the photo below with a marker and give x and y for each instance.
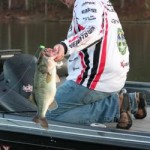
(44, 88)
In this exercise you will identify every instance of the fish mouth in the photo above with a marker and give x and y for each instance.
(43, 53)
(49, 52)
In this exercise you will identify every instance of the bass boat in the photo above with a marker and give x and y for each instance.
(18, 131)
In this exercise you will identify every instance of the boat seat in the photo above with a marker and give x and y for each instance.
(19, 73)
(12, 103)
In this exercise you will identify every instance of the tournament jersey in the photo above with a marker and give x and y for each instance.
(99, 56)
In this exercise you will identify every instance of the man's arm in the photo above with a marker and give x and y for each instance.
(89, 17)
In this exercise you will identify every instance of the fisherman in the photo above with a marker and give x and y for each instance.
(97, 69)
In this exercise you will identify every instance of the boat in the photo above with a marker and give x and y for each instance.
(17, 131)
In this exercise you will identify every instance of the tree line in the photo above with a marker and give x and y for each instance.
(45, 5)
(27, 5)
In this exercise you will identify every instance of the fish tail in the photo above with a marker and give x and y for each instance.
(43, 122)
(36, 119)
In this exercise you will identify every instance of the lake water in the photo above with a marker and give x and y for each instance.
(28, 37)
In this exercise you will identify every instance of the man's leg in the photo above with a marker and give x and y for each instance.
(101, 111)
(78, 104)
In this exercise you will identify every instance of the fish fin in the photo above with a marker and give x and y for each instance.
(43, 122)
(48, 77)
(57, 78)
(53, 105)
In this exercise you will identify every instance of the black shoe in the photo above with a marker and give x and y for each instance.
(142, 107)
(125, 121)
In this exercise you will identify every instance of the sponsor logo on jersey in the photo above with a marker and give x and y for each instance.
(124, 64)
(121, 42)
(115, 21)
(90, 3)
(75, 68)
(71, 60)
(89, 18)
(76, 41)
(93, 10)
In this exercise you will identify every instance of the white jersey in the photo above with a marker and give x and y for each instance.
(99, 56)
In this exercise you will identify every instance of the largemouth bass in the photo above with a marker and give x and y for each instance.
(44, 88)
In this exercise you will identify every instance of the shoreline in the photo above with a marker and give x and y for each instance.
(36, 20)
(24, 17)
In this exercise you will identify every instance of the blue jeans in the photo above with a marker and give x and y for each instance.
(80, 105)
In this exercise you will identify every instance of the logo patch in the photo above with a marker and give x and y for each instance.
(28, 88)
(121, 42)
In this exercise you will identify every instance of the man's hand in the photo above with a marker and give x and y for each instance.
(58, 51)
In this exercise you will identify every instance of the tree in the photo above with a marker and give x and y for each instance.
(147, 4)
(9, 4)
(46, 7)
(26, 4)
(122, 4)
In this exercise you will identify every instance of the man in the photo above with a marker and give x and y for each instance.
(97, 68)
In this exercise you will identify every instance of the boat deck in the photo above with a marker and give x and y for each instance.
(139, 125)
(138, 137)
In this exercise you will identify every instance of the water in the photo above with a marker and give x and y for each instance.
(29, 36)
